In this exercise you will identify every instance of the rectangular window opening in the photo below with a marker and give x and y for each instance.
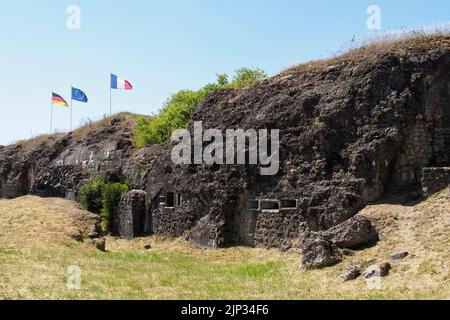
(270, 205)
(288, 204)
(170, 200)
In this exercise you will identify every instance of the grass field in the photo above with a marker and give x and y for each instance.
(37, 247)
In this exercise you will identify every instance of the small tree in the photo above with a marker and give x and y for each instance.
(222, 79)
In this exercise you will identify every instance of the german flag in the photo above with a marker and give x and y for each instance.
(59, 101)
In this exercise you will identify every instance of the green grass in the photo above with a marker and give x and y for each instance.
(174, 274)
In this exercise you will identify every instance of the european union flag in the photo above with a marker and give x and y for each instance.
(79, 95)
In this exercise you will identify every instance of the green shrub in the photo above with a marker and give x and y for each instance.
(178, 109)
(91, 195)
(101, 197)
(111, 195)
(246, 77)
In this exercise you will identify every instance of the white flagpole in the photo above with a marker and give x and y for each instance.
(110, 100)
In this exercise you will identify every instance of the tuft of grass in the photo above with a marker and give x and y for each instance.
(34, 142)
(413, 42)
(124, 121)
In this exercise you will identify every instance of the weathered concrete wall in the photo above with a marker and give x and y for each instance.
(130, 216)
(57, 166)
(435, 180)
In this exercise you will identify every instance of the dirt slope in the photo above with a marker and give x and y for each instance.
(421, 229)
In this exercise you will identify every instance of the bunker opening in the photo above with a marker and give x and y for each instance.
(288, 204)
(170, 200)
(270, 205)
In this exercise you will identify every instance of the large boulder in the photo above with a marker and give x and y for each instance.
(320, 253)
(355, 232)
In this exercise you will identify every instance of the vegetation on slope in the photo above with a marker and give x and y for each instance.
(178, 109)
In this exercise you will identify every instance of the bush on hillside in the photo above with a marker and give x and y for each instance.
(101, 197)
(178, 109)
(111, 195)
(91, 195)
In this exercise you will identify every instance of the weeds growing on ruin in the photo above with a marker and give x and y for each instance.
(101, 197)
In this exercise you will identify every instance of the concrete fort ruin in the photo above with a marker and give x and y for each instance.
(352, 129)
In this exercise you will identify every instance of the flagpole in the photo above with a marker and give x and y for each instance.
(71, 100)
(110, 101)
(51, 117)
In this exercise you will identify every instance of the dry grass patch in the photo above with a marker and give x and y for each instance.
(36, 222)
(32, 143)
(412, 43)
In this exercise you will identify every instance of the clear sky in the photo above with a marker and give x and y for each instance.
(164, 46)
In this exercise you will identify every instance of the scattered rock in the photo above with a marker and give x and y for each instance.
(320, 253)
(355, 232)
(147, 247)
(99, 243)
(378, 270)
(78, 237)
(399, 256)
(350, 275)
(94, 231)
(353, 271)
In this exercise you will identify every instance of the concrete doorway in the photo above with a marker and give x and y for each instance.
(247, 223)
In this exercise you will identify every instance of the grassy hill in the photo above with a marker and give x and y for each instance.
(37, 245)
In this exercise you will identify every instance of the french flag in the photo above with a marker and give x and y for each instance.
(119, 83)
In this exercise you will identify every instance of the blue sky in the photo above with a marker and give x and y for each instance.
(164, 46)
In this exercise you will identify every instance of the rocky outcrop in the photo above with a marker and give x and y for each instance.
(353, 233)
(56, 166)
(348, 134)
(58, 181)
